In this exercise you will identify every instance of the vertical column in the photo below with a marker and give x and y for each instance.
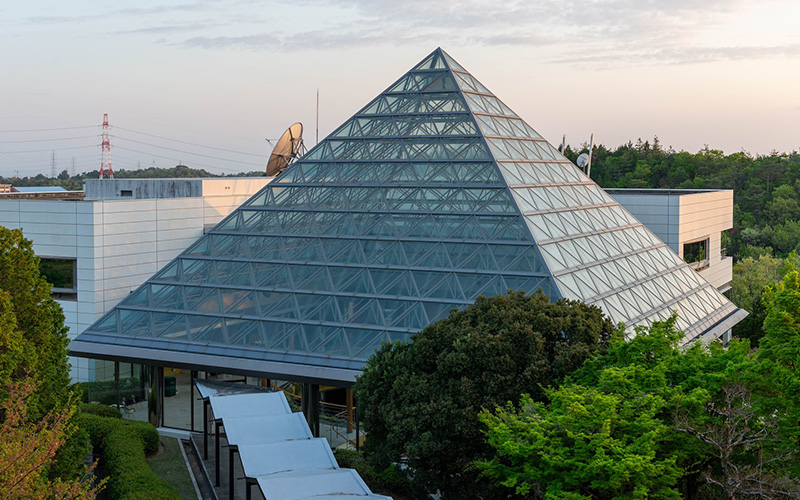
(216, 452)
(192, 377)
(310, 406)
(349, 407)
(231, 473)
(355, 410)
(160, 394)
(314, 407)
(116, 382)
(205, 429)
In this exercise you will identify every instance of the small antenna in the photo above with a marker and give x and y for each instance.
(317, 138)
(589, 166)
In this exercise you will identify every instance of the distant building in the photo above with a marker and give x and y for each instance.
(690, 222)
(38, 189)
(99, 249)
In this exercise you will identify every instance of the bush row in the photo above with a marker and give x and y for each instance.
(123, 445)
(100, 410)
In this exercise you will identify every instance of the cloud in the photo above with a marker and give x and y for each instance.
(581, 33)
(168, 29)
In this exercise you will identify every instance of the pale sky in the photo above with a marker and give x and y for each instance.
(228, 74)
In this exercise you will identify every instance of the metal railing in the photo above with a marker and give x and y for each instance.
(333, 416)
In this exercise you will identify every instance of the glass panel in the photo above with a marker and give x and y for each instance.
(244, 332)
(108, 324)
(202, 299)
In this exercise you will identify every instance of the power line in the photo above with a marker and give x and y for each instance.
(186, 152)
(46, 129)
(51, 149)
(178, 160)
(48, 140)
(189, 143)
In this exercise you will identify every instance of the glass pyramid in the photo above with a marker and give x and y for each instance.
(432, 194)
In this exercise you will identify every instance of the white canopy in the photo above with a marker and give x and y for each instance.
(266, 429)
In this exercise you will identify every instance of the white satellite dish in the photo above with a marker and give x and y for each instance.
(583, 160)
(288, 149)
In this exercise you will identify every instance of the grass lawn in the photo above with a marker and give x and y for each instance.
(169, 466)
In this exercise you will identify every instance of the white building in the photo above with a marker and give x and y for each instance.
(121, 233)
(690, 222)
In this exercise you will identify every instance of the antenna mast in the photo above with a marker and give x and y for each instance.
(589, 166)
(105, 164)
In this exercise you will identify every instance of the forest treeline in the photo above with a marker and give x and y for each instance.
(75, 182)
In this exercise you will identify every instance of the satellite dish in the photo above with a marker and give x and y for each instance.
(583, 160)
(288, 149)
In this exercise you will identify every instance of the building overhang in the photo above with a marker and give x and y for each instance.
(297, 367)
(721, 327)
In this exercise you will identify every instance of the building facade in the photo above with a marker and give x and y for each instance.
(107, 243)
(690, 222)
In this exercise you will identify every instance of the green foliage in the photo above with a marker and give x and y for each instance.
(33, 343)
(750, 276)
(779, 353)
(34, 336)
(100, 410)
(421, 400)
(629, 423)
(586, 443)
(123, 445)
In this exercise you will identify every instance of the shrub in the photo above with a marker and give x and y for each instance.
(100, 410)
(123, 445)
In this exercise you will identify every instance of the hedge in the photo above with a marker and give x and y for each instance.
(100, 410)
(123, 445)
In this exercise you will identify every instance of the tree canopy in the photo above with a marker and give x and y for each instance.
(34, 337)
(421, 399)
(33, 355)
(648, 420)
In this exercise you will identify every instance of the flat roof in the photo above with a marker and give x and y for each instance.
(661, 192)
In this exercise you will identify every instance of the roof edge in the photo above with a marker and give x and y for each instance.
(340, 377)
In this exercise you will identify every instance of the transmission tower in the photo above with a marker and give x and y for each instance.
(53, 169)
(73, 166)
(105, 165)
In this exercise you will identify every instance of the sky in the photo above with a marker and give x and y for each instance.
(205, 83)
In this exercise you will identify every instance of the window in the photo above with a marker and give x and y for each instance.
(126, 193)
(60, 273)
(696, 254)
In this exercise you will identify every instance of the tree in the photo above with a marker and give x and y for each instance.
(584, 444)
(779, 354)
(29, 447)
(618, 427)
(750, 276)
(421, 399)
(738, 429)
(33, 343)
(39, 336)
